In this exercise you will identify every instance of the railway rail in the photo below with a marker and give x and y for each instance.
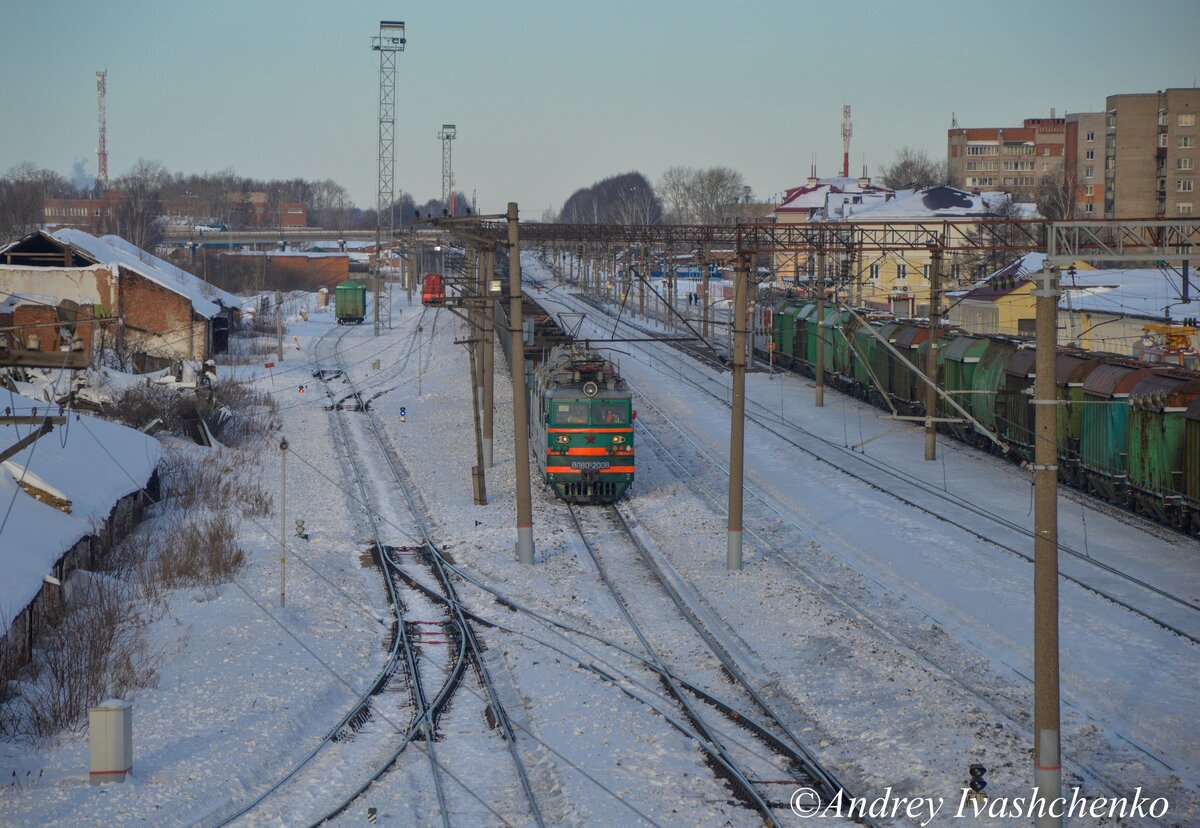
(720, 747)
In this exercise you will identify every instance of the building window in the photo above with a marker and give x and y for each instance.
(925, 272)
(1045, 151)
(1089, 190)
(1089, 172)
(1089, 208)
(901, 272)
(1162, 140)
(1187, 120)
(1091, 136)
(1091, 154)
(978, 150)
(1184, 164)
(1183, 207)
(1183, 185)
(1186, 142)
(875, 271)
(95, 211)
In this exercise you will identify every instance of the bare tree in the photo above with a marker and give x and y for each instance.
(914, 169)
(701, 196)
(717, 192)
(139, 212)
(23, 193)
(675, 192)
(1055, 197)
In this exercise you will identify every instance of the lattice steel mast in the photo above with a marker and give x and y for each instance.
(447, 135)
(389, 41)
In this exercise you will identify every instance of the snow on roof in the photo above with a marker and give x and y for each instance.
(206, 299)
(1147, 292)
(302, 254)
(935, 202)
(90, 462)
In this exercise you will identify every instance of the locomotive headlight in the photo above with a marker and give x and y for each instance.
(562, 438)
(617, 438)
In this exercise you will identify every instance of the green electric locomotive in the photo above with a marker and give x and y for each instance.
(581, 421)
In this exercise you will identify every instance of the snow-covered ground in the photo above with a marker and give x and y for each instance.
(899, 642)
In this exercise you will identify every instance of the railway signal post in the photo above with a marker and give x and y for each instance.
(1047, 767)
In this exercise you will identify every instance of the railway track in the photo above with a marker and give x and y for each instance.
(937, 502)
(1014, 715)
(431, 645)
(459, 627)
(746, 769)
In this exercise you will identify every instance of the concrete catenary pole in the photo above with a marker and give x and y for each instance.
(931, 356)
(704, 332)
(819, 358)
(278, 324)
(525, 549)
(737, 419)
(1047, 765)
(645, 276)
(489, 350)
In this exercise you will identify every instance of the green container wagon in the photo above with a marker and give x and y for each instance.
(1191, 466)
(1157, 437)
(350, 303)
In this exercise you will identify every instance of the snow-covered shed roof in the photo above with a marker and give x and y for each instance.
(206, 299)
(935, 202)
(90, 462)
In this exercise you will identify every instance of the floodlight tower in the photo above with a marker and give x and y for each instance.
(102, 147)
(847, 129)
(448, 134)
(389, 41)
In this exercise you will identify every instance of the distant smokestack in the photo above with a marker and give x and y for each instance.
(102, 147)
(847, 130)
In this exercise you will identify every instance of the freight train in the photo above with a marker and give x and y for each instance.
(580, 412)
(1127, 431)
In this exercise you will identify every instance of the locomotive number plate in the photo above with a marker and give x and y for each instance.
(590, 465)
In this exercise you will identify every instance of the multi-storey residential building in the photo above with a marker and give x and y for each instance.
(1151, 151)
(1089, 163)
(1014, 160)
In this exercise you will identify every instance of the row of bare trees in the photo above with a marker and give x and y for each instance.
(150, 194)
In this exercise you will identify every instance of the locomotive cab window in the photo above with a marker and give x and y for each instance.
(571, 413)
(609, 414)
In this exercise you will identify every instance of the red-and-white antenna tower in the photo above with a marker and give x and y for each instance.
(102, 147)
(847, 130)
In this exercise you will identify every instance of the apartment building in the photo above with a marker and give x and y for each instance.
(1150, 153)
(1089, 163)
(1013, 160)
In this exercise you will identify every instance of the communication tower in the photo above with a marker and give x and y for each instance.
(102, 147)
(447, 135)
(847, 130)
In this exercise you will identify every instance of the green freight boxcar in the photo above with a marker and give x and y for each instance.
(350, 303)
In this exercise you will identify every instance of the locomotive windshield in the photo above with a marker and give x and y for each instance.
(609, 414)
(571, 413)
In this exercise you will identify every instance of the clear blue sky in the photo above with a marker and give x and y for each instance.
(550, 96)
